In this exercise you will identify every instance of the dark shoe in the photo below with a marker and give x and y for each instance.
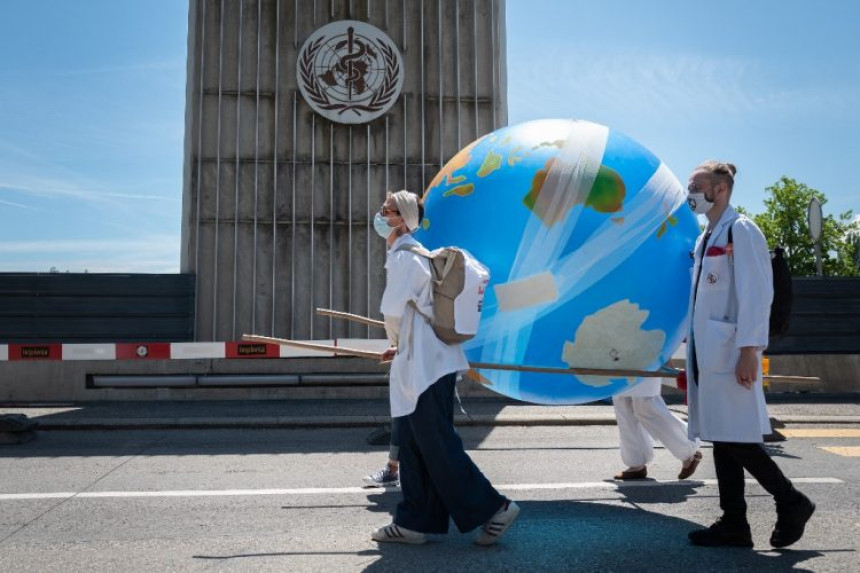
(723, 534)
(690, 467)
(632, 474)
(383, 478)
(791, 521)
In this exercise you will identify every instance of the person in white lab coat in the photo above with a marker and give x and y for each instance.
(732, 289)
(439, 481)
(642, 415)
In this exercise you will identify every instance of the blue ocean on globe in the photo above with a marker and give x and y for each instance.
(587, 238)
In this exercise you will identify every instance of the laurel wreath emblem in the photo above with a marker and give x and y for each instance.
(378, 102)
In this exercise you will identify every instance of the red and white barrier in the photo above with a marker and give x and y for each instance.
(177, 350)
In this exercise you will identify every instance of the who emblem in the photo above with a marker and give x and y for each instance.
(350, 72)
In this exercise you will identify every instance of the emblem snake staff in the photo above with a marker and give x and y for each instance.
(350, 66)
(353, 65)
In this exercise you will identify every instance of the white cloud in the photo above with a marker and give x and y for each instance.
(170, 65)
(666, 86)
(89, 245)
(14, 204)
(66, 189)
(152, 254)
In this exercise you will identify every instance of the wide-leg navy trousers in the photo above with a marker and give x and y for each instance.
(438, 479)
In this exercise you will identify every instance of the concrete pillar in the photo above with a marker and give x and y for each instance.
(278, 200)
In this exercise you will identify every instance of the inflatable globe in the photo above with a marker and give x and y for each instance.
(587, 238)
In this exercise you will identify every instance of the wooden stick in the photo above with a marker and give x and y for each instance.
(313, 346)
(349, 316)
(784, 378)
(474, 365)
(346, 351)
(580, 371)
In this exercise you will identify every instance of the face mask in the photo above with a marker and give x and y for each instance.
(699, 203)
(380, 225)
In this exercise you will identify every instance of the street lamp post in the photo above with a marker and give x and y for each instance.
(814, 220)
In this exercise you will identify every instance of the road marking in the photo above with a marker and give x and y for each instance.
(820, 433)
(847, 451)
(361, 490)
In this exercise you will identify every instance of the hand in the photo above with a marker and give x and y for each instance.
(746, 371)
(388, 355)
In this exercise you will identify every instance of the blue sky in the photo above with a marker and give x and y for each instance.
(92, 99)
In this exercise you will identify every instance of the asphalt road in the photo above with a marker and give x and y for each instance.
(289, 500)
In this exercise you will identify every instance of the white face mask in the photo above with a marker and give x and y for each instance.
(380, 225)
(699, 203)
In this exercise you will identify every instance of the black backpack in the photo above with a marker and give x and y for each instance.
(780, 307)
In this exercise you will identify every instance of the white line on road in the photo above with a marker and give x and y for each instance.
(345, 490)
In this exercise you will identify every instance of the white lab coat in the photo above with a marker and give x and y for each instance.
(732, 310)
(421, 357)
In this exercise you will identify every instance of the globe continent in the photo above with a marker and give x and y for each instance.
(587, 238)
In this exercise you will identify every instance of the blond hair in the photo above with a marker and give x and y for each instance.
(719, 171)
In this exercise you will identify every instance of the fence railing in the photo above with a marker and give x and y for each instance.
(90, 307)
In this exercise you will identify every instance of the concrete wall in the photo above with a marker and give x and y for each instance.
(67, 381)
(317, 378)
(71, 381)
(278, 201)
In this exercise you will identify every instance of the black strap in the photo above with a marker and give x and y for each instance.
(695, 365)
(701, 264)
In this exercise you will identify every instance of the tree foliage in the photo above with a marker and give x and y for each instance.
(784, 223)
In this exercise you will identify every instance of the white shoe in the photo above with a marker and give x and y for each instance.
(398, 534)
(493, 529)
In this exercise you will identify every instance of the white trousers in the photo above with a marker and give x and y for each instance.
(640, 418)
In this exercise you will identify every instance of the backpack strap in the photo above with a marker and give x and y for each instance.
(421, 252)
(730, 244)
(417, 249)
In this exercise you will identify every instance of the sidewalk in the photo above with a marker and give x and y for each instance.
(787, 409)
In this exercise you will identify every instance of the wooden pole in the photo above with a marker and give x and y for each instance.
(618, 372)
(348, 316)
(313, 346)
(784, 378)
(474, 365)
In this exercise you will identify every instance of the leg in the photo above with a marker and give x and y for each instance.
(793, 509)
(457, 483)
(421, 509)
(755, 460)
(658, 421)
(394, 447)
(636, 446)
(732, 528)
(656, 418)
(389, 476)
(730, 481)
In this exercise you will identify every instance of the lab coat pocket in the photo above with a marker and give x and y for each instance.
(715, 273)
(719, 355)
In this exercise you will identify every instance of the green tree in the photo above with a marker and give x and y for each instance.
(784, 223)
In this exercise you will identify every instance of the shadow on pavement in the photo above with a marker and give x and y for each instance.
(582, 536)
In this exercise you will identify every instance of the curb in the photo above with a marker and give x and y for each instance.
(307, 422)
(285, 422)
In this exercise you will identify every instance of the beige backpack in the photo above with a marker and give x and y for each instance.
(459, 283)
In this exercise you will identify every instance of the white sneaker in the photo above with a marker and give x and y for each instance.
(383, 478)
(397, 534)
(493, 529)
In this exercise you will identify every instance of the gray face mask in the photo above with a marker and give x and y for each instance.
(381, 226)
(699, 203)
